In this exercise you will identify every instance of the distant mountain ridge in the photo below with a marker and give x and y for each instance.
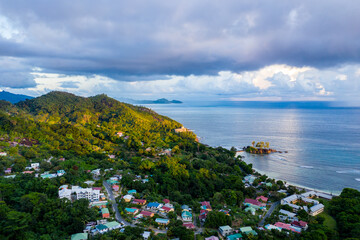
(12, 97)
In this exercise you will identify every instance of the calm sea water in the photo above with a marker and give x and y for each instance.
(323, 144)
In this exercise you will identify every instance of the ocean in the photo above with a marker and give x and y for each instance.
(323, 142)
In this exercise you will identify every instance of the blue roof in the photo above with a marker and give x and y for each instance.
(162, 220)
(132, 191)
(132, 210)
(153, 204)
(184, 207)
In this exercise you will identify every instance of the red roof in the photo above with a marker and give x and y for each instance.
(253, 202)
(147, 213)
(189, 225)
(299, 223)
(285, 226)
(262, 198)
(203, 214)
(166, 200)
(96, 188)
(142, 201)
(166, 208)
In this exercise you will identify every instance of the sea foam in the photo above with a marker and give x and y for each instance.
(352, 171)
(306, 166)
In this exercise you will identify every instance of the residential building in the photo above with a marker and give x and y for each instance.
(154, 205)
(60, 173)
(186, 216)
(254, 202)
(79, 236)
(262, 199)
(189, 225)
(212, 238)
(35, 165)
(166, 201)
(287, 213)
(225, 230)
(116, 188)
(206, 206)
(180, 130)
(162, 221)
(128, 198)
(132, 211)
(300, 224)
(316, 209)
(8, 171)
(112, 225)
(147, 214)
(3, 154)
(146, 235)
(139, 202)
(79, 193)
(248, 231)
(236, 236)
(132, 191)
(105, 213)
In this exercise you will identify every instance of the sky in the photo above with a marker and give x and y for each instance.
(188, 50)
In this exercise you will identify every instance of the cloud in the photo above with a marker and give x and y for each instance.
(15, 74)
(118, 39)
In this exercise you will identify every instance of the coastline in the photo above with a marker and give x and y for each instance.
(298, 186)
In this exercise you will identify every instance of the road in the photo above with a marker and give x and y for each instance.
(118, 217)
(268, 214)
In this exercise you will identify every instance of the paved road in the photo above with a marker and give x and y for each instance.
(115, 206)
(268, 214)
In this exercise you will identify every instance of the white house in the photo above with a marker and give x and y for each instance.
(3, 154)
(35, 165)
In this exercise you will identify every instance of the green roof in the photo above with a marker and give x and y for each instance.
(226, 227)
(104, 210)
(186, 214)
(101, 227)
(79, 236)
(234, 236)
(248, 230)
(112, 224)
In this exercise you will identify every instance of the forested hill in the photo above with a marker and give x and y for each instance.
(64, 121)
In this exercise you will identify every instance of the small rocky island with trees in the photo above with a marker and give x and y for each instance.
(260, 148)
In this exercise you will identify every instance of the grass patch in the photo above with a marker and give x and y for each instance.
(329, 220)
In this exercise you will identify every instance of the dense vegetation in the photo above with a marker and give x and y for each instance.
(83, 132)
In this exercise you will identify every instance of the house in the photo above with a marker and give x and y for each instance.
(3, 154)
(300, 224)
(154, 205)
(235, 236)
(166, 209)
(287, 213)
(262, 199)
(316, 209)
(287, 227)
(250, 209)
(203, 215)
(128, 198)
(249, 179)
(254, 202)
(132, 211)
(225, 230)
(119, 134)
(141, 202)
(185, 207)
(111, 156)
(180, 130)
(226, 212)
(112, 225)
(96, 172)
(89, 182)
(59, 173)
(270, 227)
(146, 235)
(186, 216)
(162, 221)
(133, 191)
(248, 231)
(189, 225)
(28, 172)
(147, 214)
(8, 171)
(105, 213)
(79, 236)
(212, 238)
(102, 228)
(166, 201)
(116, 188)
(35, 165)
(205, 206)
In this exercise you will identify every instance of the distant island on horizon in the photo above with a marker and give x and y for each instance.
(158, 101)
(12, 97)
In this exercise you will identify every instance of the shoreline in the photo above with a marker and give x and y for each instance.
(298, 186)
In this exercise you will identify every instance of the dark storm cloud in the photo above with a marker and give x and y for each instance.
(122, 38)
